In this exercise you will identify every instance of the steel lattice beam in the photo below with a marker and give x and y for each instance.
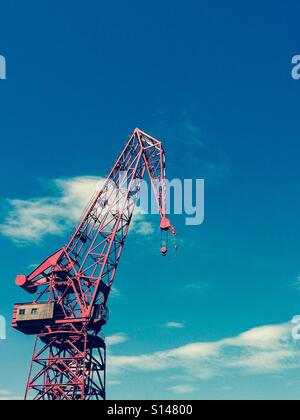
(73, 285)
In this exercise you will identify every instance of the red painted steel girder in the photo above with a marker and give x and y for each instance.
(78, 278)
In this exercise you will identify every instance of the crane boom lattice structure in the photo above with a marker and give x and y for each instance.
(72, 286)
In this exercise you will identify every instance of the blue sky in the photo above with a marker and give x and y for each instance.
(213, 81)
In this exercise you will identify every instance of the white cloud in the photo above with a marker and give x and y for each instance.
(140, 225)
(175, 325)
(143, 228)
(4, 392)
(6, 395)
(58, 211)
(182, 389)
(263, 350)
(32, 219)
(113, 383)
(265, 338)
(115, 293)
(296, 284)
(116, 339)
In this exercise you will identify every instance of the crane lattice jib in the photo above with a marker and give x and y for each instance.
(72, 286)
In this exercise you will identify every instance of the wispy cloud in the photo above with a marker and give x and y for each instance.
(4, 392)
(182, 389)
(116, 339)
(263, 350)
(32, 219)
(174, 325)
(56, 212)
(182, 127)
(188, 127)
(113, 383)
(199, 288)
(6, 395)
(115, 293)
(140, 225)
(296, 283)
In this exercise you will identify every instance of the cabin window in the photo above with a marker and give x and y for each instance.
(34, 311)
(22, 312)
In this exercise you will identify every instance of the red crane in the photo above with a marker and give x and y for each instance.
(72, 286)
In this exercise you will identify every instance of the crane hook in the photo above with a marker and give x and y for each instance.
(166, 227)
